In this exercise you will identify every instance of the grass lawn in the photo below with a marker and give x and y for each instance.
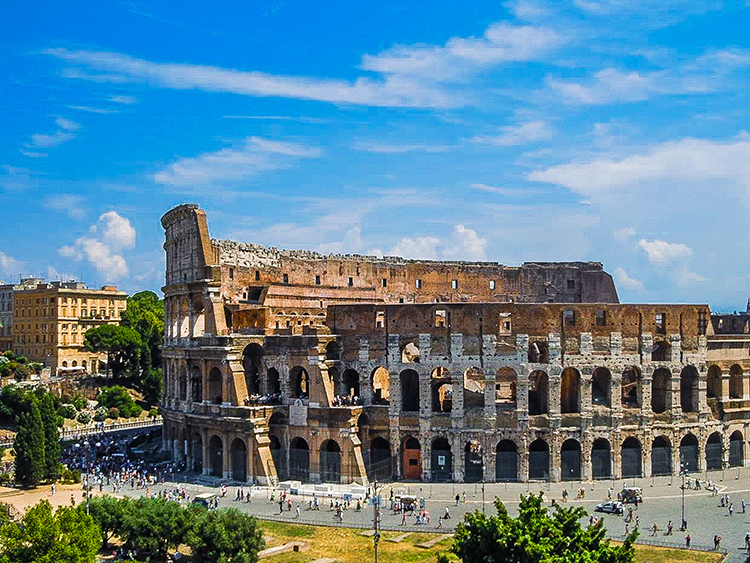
(346, 545)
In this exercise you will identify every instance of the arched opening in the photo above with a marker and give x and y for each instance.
(506, 461)
(277, 419)
(689, 389)
(75, 363)
(412, 459)
(333, 351)
(538, 352)
(600, 387)
(713, 382)
(473, 388)
(381, 386)
(278, 456)
(689, 453)
(661, 351)
(736, 449)
(380, 459)
(197, 454)
(252, 362)
(183, 387)
(350, 382)
(539, 460)
(631, 458)
(473, 463)
(215, 385)
(65, 364)
(216, 455)
(506, 384)
(273, 381)
(300, 383)
(442, 396)
(410, 354)
(735, 382)
(363, 422)
(330, 462)
(442, 460)
(661, 456)
(538, 393)
(660, 390)
(238, 451)
(631, 388)
(299, 460)
(409, 391)
(570, 460)
(570, 391)
(714, 452)
(601, 459)
(196, 385)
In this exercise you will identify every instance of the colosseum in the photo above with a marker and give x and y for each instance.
(344, 368)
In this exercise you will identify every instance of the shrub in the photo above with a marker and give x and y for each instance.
(67, 411)
(70, 476)
(113, 413)
(83, 417)
(119, 397)
(100, 414)
(153, 413)
(6, 478)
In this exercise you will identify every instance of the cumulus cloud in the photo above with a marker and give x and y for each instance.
(232, 164)
(65, 132)
(9, 265)
(104, 245)
(74, 206)
(624, 280)
(663, 252)
(464, 244)
(624, 234)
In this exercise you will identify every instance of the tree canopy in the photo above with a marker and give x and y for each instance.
(536, 535)
(122, 345)
(145, 314)
(118, 397)
(225, 536)
(65, 536)
(29, 445)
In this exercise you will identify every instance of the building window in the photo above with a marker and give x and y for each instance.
(350, 282)
(317, 280)
(384, 283)
(661, 323)
(440, 318)
(418, 283)
(231, 273)
(569, 318)
(286, 278)
(702, 323)
(454, 284)
(380, 319)
(492, 285)
(257, 275)
(601, 318)
(505, 326)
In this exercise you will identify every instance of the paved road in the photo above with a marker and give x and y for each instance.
(662, 502)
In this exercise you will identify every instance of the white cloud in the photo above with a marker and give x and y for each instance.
(384, 148)
(90, 109)
(65, 133)
(687, 277)
(623, 279)
(8, 264)
(72, 205)
(624, 234)
(663, 252)
(123, 100)
(501, 43)
(686, 159)
(393, 90)
(249, 158)
(419, 248)
(611, 85)
(522, 134)
(104, 245)
(502, 190)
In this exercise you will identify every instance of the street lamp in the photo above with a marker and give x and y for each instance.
(87, 483)
(683, 474)
(476, 448)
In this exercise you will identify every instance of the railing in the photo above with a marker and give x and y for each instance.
(77, 431)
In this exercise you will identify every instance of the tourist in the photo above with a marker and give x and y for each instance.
(687, 540)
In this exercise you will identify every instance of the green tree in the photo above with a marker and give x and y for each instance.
(29, 446)
(536, 536)
(122, 345)
(156, 525)
(225, 536)
(119, 398)
(48, 415)
(109, 513)
(152, 386)
(67, 536)
(145, 314)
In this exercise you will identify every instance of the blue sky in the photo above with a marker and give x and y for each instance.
(597, 130)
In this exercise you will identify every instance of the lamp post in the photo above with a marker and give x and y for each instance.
(87, 463)
(476, 448)
(683, 474)
(376, 517)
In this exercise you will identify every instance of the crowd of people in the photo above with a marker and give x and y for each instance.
(257, 399)
(346, 401)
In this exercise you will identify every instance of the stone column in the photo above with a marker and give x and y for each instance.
(673, 400)
(457, 408)
(459, 459)
(206, 454)
(227, 456)
(490, 412)
(425, 395)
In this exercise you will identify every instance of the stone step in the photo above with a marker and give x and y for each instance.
(293, 546)
(433, 542)
(367, 533)
(399, 539)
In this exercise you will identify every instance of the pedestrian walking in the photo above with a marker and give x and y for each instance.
(747, 542)
(742, 504)
(731, 508)
(654, 529)
(687, 540)
(717, 541)
(281, 506)
(297, 513)
(53, 489)
(670, 528)
(403, 517)
(458, 499)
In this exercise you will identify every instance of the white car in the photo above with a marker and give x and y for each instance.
(611, 507)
